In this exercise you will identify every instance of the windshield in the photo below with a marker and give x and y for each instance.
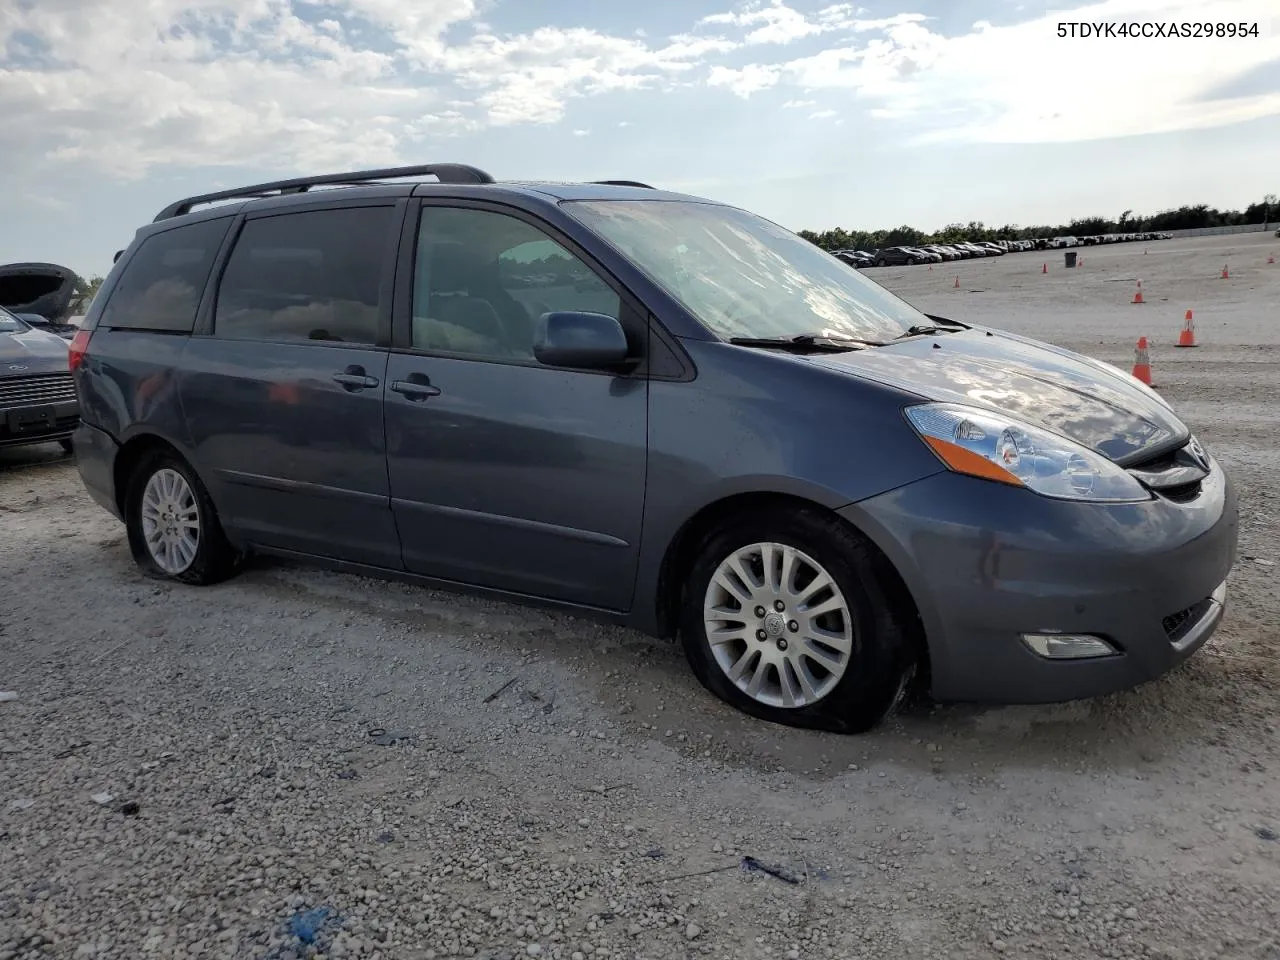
(11, 324)
(742, 276)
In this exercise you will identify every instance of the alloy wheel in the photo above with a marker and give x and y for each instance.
(170, 521)
(778, 625)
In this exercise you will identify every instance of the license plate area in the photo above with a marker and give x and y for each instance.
(32, 419)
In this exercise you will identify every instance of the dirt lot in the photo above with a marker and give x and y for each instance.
(601, 804)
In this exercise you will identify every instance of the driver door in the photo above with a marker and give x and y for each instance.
(505, 473)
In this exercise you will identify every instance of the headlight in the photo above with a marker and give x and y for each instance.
(992, 446)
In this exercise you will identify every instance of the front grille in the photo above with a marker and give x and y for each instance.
(1178, 625)
(1177, 475)
(36, 390)
(1184, 493)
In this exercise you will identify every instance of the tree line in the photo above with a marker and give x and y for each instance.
(1190, 217)
(83, 293)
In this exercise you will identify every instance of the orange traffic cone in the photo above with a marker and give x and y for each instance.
(1225, 274)
(1142, 362)
(1271, 259)
(1137, 297)
(1187, 338)
(1045, 268)
(957, 284)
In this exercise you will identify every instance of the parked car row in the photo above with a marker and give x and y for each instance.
(1061, 242)
(929, 253)
(965, 249)
(1124, 238)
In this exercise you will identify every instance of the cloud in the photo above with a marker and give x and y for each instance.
(774, 22)
(128, 87)
(745, 81)
(1025, 83)
(529, 78)
(1144, 85)
(43, 202)
(125, 88)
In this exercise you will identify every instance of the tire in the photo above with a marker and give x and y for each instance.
(211, 559)
(881, 660)
(66, 445)
(881, 262)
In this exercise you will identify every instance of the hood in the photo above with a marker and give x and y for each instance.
(42, 288)
(1097, 406)
(32, 351)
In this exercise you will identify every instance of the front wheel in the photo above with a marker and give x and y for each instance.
(172, 526)
(881, 262)
(789, 617)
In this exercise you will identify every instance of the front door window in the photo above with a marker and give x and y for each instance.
(483, 279)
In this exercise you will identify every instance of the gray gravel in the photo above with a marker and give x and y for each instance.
(213, 773)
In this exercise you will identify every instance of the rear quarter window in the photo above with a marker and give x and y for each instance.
(311, 275)
(162, 283)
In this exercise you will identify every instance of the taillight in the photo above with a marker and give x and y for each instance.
(78, 350)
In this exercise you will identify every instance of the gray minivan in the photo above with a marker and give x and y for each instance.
(653, 409)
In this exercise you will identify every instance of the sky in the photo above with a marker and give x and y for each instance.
(813, 114)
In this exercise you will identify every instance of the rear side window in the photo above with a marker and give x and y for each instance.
(163, 281)
(314, 275)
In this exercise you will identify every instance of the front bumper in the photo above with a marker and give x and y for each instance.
(38, 423)
(988, 563)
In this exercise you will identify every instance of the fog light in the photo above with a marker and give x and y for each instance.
(1068, 646)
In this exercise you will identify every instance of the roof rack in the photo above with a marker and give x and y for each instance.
(623, 183)
(444, 172)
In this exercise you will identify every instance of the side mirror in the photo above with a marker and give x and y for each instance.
(589, 341)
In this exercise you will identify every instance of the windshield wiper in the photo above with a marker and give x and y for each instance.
(938, 325)
(805, 341)
(926, 330)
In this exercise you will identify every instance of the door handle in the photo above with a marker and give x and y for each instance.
(354, 378)
(416, 387)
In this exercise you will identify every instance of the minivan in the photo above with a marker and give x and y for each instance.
(654, 409)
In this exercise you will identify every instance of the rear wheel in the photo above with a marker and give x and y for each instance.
(789, 617)
(172, 525)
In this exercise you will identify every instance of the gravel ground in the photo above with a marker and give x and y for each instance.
(299, 763)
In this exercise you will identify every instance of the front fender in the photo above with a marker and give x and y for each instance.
(763, 422)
